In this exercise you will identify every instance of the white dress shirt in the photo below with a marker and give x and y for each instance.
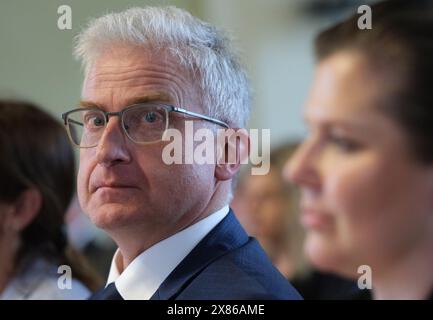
(143, 276)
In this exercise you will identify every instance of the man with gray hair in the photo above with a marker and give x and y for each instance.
(147, 71)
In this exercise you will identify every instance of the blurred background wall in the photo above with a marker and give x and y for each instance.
(274, 36)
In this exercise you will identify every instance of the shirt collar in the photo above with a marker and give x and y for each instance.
(144, 275)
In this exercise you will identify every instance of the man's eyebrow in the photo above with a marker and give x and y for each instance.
(156, 96)
(89, 104)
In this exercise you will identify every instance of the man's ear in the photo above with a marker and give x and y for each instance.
(233, 150)
(26, 207)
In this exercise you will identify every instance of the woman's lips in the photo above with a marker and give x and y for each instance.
(314, 219)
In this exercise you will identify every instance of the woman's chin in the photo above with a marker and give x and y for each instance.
(326, 255)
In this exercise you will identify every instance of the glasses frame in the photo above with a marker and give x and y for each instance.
(168, 108)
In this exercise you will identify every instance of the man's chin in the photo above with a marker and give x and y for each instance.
(113, 216)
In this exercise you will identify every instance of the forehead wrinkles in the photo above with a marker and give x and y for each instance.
(113, 76)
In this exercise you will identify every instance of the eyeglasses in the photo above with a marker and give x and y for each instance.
(143, 123)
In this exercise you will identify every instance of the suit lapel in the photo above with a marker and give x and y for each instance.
(226, 236)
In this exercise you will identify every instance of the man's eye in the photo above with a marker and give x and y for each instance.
(97, 121)
(94, 120)
(151, 117)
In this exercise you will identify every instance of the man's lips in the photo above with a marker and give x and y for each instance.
(98, 186)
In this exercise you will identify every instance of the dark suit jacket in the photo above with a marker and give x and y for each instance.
(226, 264)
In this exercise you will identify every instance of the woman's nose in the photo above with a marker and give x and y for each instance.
(301, 168)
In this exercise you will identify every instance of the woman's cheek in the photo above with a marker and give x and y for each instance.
(349, 194)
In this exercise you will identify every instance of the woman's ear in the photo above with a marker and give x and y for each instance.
(233, 150)
(26, 207)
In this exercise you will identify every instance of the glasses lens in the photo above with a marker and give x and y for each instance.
(86, 127)
(145, 123)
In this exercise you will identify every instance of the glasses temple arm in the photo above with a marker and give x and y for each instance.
(200, 116)
(73, 121)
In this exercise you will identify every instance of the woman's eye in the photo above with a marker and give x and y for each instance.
(344, 144)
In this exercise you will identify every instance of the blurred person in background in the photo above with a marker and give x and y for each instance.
(37, 174)
(366, 167)
(268, 208)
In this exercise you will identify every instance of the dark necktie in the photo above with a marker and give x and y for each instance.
(108, 293)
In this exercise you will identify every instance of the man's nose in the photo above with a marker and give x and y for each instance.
(112, 147)
(301, 169)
